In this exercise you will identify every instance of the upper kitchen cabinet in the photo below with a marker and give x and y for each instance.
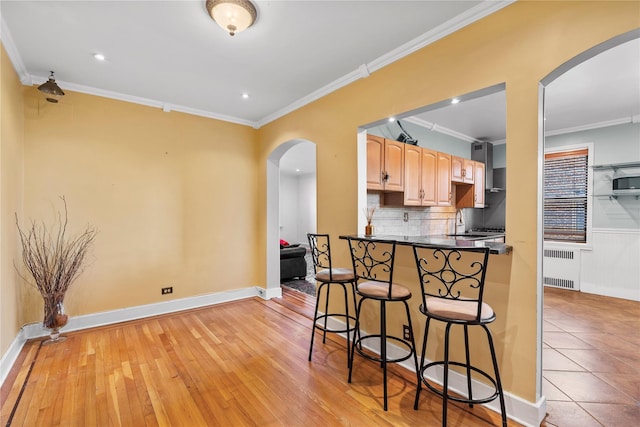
(462, 170)
(385, 164)
(479, 184)
(443, 192)
(420, 171)
(472, 195)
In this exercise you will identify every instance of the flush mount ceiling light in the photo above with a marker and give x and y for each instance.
(232, 15)
(52, 89)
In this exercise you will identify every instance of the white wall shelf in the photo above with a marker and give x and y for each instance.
(616, 196)
(615, 166)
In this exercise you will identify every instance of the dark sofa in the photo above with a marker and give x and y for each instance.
(292, 262)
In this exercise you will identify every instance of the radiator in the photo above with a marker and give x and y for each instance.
(561, 268)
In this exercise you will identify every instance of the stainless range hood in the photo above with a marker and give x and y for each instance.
(483, 152)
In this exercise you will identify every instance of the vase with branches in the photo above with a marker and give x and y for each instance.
(54, 261)
(368, 213)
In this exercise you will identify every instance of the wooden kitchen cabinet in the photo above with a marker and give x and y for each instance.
(385, 164)
(462, 170)
(420, 172)
(472, 195)
(443, 192)
(375, 163)
(478, 184)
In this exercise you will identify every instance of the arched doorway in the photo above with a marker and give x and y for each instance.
(273, 209)
(569, 139)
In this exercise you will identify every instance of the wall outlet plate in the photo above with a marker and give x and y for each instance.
(168, 290)
(406, 332)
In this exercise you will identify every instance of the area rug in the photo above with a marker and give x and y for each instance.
(301, 285)
(306, 285)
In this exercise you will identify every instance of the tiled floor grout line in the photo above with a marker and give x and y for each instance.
(589, 397)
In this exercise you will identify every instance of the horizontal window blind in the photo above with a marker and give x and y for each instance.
(565, 196)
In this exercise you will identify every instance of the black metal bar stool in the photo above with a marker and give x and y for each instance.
(452, 283)
(373, 268)
(329, 276)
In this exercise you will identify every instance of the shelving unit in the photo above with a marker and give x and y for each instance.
(615, 167)
(617, 196)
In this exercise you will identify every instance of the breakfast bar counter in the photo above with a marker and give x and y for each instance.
(440, 241)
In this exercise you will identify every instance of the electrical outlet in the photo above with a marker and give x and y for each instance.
(406, 217)
(406, 332)
(168, 290)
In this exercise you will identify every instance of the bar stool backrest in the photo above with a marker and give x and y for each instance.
(373, 259)
(452, 273)
(320, 251)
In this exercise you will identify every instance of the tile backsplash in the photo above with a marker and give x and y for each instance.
(421, 221)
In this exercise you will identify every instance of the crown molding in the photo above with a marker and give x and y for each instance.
(597, 125)
(14, 55)
(476, 13)
(480, 11)
(440, 129)
(166, 107)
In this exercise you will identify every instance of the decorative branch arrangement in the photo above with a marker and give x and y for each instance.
(54, 261)
(368, 213)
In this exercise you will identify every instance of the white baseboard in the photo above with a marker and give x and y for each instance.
(36, 330)
(519, 410)
(11, 355)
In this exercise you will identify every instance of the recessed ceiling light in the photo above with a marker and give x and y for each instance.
(245, 96)
(99, 56)
(297, 170)
(455, 100)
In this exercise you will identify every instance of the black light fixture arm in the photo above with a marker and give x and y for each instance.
(405, 137)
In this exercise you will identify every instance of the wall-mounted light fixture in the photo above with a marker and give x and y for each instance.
(51, 90)
(232, 15)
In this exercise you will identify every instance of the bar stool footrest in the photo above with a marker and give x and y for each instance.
(457, 398)
(320, 327)
(406, 344)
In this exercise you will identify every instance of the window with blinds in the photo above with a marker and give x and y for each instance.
(565, 196)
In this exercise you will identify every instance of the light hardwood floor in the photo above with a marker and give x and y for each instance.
(236, 364)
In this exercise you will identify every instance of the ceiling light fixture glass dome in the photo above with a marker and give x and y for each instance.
(232, 15)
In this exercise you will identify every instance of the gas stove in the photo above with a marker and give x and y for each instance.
(488, 230)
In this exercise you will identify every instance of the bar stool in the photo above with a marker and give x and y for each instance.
(329, 276)
(373, 268)
(452, 284)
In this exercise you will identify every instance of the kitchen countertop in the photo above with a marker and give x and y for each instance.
(443, 241)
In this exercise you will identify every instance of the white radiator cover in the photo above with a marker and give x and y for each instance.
(561, 267)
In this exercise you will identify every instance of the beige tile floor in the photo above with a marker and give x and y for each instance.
(590, 360)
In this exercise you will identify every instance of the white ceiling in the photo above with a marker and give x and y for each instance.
(171, 55)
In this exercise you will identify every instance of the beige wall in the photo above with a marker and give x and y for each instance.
(180, 200)
(11, 190)
(518, 45)
(173, 197)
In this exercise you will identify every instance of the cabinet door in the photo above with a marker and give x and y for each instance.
(394, 165)
(429, 178)
(468, 174)
(478, 185)
(457, 169)
(444, 179)
(375, 163)
(412, 175)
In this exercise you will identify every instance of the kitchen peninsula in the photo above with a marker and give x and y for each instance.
(446, 241)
